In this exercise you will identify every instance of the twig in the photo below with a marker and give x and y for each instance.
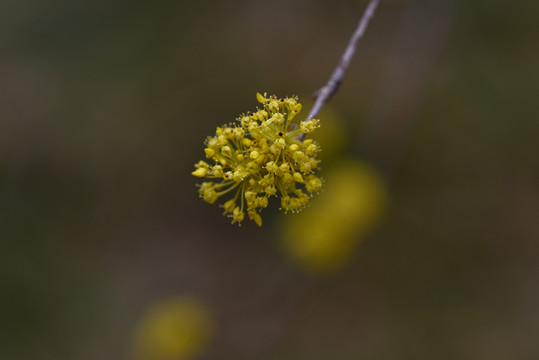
(326, 92)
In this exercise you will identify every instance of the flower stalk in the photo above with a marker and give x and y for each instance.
(325, 93)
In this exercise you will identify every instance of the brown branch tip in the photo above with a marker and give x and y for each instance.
(330, 88)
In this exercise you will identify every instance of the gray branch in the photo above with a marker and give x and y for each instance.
(326, 92)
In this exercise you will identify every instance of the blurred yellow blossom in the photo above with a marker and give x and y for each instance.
(175, 329)
(335, 136)
(323, 237)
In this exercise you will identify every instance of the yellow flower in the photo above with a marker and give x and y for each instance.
(323, 237)
(260, 156)
(175, 329)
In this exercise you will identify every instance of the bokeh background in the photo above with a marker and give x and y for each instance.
(424, 244)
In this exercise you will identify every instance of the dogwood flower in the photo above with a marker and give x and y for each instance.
(258, 156)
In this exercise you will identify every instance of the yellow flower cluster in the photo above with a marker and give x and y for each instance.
(173, 329)
(323, 238)
(261, 156)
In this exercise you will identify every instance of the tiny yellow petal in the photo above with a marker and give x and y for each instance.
(209, 152)
(261, 99)
(298, 177)
(200, 172)
(294, 147)
(260, 159)
(230, 205)
(238, 215)
(254, 154)
(253, 215)
(291, 115)
(226, 150)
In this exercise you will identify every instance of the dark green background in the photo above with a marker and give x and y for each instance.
(104, 106)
